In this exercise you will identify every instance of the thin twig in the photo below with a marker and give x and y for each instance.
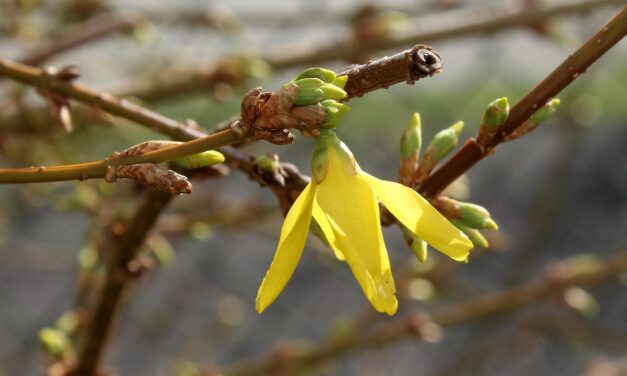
(557, 278)
(80, 35)
(465, 23)
(574, 66)
(120, 273)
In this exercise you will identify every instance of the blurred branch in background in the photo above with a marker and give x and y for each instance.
(423, 326)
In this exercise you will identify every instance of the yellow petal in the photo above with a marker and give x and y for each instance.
(413, 211)
(291, 244)
(352, 216)
(327, 230)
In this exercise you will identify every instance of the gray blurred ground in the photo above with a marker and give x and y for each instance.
(559, 192)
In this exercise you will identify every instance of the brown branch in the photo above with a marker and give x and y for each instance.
(80, 35)
(121, 272)
(574, 66)
(407, 66)
(556, 279)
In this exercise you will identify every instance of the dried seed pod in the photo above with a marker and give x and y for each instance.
(155, 176)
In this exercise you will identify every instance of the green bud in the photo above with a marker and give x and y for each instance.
(475, 216)
(333, 92)
(68, 322)
(329, 142)
(444, 141)
(311, 82)
(55, 342)
(340, 81)
(493, 117)
(411, 140)
(308, 96)
(335, 112)
(544, 112)
(474, 235)
(267, 162)
(417, 245)
(495, 114)
(321, 73)
(204, 159)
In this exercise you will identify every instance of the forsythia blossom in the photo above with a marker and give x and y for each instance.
(343, 201)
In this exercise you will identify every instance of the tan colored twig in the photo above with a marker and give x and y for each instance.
(557, 278)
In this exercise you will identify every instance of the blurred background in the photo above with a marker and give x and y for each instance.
(558, 193)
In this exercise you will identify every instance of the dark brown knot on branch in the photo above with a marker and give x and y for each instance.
(423, 60)
(270, 116)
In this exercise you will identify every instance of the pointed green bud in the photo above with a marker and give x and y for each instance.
(411, 140)
(475, 236)
(340, 81)
(204, 159)
(475, 216)
(493, 117)
(333, 92)
(321, 73)
(532, 123)
(445, 141)
(335, 112)
(309, 83)
(544, 112)
(267, 162)
(417, 245)
(55, 342)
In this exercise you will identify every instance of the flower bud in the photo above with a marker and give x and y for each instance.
(417, 245)
(333, 92)
(411, 142)
(493, 117)
(474, 235)
(442, 143)
(538, 117)
(267, 162)
(544, 112)
(204, 159)
(335, 112)
(445, 141)
(320, 73)
(475, 216)
(340, 81)
(55, 342)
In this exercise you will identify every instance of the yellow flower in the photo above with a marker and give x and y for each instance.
(343, 201)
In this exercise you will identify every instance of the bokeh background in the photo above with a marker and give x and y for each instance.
(557, 193)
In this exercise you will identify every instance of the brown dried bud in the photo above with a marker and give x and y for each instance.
(59, 107)
(152, 175)
(270, 116)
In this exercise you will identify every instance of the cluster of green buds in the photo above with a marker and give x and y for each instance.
(414, 169)
(56, 341)
(468, 217)
(323, 86)
(535, 120)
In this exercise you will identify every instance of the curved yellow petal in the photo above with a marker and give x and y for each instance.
(417, 214)
(291, 244)
(352, 215)
(327, 230)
